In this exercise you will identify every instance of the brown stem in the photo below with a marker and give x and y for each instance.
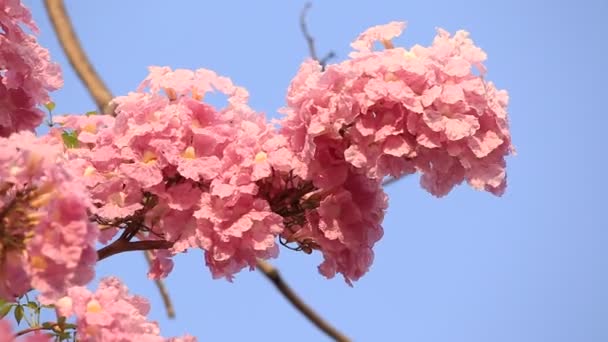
(310, 41)
(275, 277)
(120, 245)
(29, 330)
(78, 59)
(164, 293)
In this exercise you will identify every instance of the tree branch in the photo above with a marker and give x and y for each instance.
(120, 246)
(310, 41)
(164, 293)
(77, 57)
(275, 277)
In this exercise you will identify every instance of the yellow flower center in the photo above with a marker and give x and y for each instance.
(261, 157)
(93, 306)
(189, 153)
(38, 262)
(149, 157)
(91, 128)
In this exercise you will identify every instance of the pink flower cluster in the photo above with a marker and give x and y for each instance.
(172, 167)
(111, 314)
(26, 72)
(46, 239)
(398, 111)
(189, 171)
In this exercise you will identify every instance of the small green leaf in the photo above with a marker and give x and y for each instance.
(18, 313)
(48, 325)
(91, 113)
(50, 106)
(70, 139)
(32, 305)
(5, 309)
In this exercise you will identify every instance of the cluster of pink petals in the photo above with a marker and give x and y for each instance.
(47, 242)
(227, 182)
(111, 314)
(26, 72)
(397, 111)
(201, 164)
(7, 334)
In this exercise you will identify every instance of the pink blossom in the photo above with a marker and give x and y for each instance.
(381, 33)
(110, 314)
(47, 241)
(398, 111)
(27, 75)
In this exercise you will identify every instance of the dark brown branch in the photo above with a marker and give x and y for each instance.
(120, 246)
(390, 181)
(78, 59)
(164, 293)
(310, 41)
(275, 277)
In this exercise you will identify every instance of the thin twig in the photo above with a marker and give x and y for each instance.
(76, 55)
(310, 41)
(164, 293)
(275, 277)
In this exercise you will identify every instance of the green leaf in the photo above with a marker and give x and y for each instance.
(18, 313)
(70, 139)
(91, 113)
(48, 325)
(5, 309)
(32, 305)
(50, 106)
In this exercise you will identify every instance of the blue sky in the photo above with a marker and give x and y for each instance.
(530, 266)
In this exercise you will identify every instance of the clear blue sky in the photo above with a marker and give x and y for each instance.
(530, 266)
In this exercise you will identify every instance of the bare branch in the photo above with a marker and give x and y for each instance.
(310, 41)
(76, 55)
(164, 293)
(275, 277)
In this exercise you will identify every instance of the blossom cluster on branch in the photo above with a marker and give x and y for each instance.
(171, 172)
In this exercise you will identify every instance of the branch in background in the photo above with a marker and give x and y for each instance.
(162, 289)
(310, 41)
(275, 277)
(78, 59)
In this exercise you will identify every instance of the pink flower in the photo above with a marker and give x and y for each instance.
(381, 33)
(27, 73)
(398, 111)
(47, 240)
(109, 314)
